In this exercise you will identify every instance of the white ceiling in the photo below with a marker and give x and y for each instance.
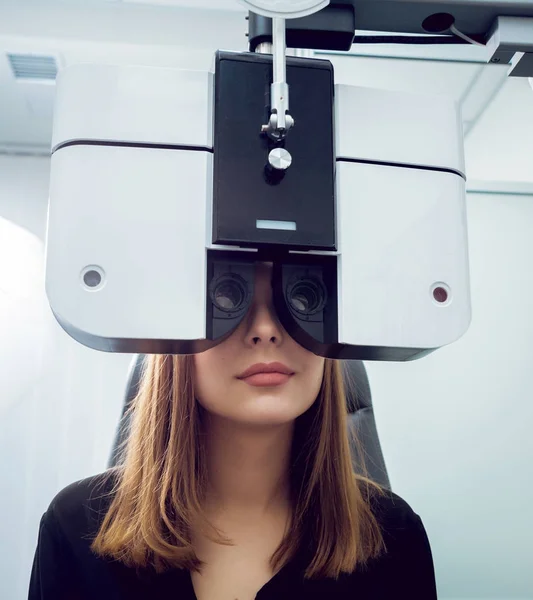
(497, 110)
(232, 5)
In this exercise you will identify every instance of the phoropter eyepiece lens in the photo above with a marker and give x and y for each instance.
(229, 293)
(307, 296)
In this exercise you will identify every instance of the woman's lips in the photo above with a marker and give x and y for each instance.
(267, 379)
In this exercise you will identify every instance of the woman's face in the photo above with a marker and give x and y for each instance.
(261, 399)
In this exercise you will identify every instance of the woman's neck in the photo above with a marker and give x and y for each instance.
(248, 468)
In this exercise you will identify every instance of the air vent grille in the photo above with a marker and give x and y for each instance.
(33, 66)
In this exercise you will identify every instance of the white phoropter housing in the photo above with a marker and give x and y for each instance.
(167, 186)
(131, 216)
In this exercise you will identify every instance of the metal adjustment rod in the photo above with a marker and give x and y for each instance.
(280, 120)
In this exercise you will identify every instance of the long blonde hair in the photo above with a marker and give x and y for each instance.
(161, 481)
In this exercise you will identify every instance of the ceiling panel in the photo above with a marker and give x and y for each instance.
(232, 5)
(500, 146)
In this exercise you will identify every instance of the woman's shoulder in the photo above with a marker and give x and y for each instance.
(391, 507)
(64, 563)
(406, 567)
(80, 507)
(403, 531)
(394, 514)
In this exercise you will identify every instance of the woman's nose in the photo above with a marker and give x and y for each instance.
(263, 326)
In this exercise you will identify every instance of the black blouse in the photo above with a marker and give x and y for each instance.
(64, 567)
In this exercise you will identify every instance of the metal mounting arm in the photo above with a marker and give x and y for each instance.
(511, 42)
(280, 120)
(503, 26)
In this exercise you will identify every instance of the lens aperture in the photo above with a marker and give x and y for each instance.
(307, 296)
(229, 294)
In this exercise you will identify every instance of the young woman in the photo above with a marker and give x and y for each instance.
(236, 483)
